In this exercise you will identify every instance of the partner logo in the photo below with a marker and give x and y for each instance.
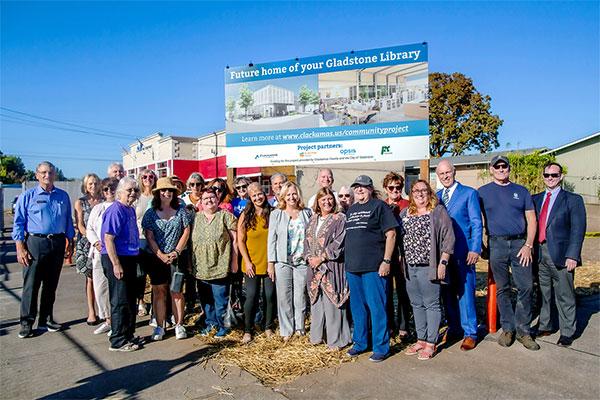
(385, 150)
(265, 156)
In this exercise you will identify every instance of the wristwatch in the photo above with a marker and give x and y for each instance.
(444, 262)
(387, 261)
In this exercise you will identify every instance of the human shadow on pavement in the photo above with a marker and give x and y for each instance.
(586, 307)
(126, 382)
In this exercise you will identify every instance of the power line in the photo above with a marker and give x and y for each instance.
(88, 128)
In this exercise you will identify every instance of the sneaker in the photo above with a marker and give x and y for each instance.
(506, 338)
(222, 332)
(206, 330)
(180, 332)
(103, 328)
(354, 352)
(158, 333)
(109, 333)
(528, 342)
(49, 326)
(153, 322)
(126, 348)
(377, 357)
(25, 331)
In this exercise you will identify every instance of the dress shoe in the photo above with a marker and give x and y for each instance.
(565, 341)
(468, 344)
(528, 342)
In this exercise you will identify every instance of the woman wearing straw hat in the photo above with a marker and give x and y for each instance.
(167, 229)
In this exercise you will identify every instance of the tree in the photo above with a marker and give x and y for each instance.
(305, 96)
(459, 116)
(12, 169)
(231, 108)
(246, 99)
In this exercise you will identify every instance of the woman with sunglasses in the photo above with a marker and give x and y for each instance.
(285, 249)
(220, 187)
(92, 196)
(240, 184)
(253, 231)
(167, 229)
(398, 320)
(94, 227)
(427, 242)
(195, 184)
(214, 257)
(146, 182)
(346, 198)
(120, 247)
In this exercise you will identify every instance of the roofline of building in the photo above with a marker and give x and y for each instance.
(564, 146)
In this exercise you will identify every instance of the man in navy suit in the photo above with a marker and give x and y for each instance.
(462, 203)
(561, 229)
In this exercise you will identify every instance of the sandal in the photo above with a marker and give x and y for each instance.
(414, 348)
(427, 352)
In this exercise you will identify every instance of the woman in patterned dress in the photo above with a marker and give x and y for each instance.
(92, 195)
(167, 229)
(327, 286)
(427, 241)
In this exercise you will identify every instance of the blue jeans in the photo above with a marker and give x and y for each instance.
(368, 295)
(503, 254)
(425, 301)
(214, 296)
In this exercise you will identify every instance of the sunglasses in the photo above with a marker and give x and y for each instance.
(501, 166)
(148, 177)
(343, 196)
(108, 189)
(553, 175)
(217, 188)
(167, 190)
(398, 188)
(195, 184)
(241, 187)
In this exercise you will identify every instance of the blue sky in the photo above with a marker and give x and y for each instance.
(135, 68)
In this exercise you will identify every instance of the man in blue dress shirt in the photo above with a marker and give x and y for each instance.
(42, 223)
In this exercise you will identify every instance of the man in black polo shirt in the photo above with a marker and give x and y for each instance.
(511, 225)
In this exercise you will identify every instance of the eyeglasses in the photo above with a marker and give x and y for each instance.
(148, 177)
(343, 196)
(195, 184)
(108, 189)
(398, 188)
(553, 175)
(420, 191)
(500, 166)
(241, 187)
(132, 190)
(217, 188)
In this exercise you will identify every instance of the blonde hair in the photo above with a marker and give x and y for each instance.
(84, 183)
(433, 200)
(284, 190)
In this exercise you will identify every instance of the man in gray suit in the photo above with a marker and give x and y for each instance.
(561, 229)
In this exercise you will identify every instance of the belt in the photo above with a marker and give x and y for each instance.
(48, 236)
(509, 237)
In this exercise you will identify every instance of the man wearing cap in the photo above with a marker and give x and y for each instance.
(43, 221)
(324, 180)
(462, 204)
(370, 241)
(511, 225)
(561, 230)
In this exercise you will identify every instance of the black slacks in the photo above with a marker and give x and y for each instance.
(47, 260)
(123, 299)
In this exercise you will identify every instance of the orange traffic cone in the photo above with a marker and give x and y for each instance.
(492, 310)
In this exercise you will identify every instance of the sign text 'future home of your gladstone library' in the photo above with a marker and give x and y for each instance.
(369, 105)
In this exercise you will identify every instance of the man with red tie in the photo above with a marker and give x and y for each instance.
(561, 229)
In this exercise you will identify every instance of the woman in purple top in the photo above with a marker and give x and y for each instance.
(120, 247)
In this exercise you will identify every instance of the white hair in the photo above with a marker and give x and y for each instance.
(115, 164)
(124, 182)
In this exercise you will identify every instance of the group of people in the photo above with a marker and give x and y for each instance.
(340, 259)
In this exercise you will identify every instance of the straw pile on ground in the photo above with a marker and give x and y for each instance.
(273, 361)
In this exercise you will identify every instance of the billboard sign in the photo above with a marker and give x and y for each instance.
(360, 106)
